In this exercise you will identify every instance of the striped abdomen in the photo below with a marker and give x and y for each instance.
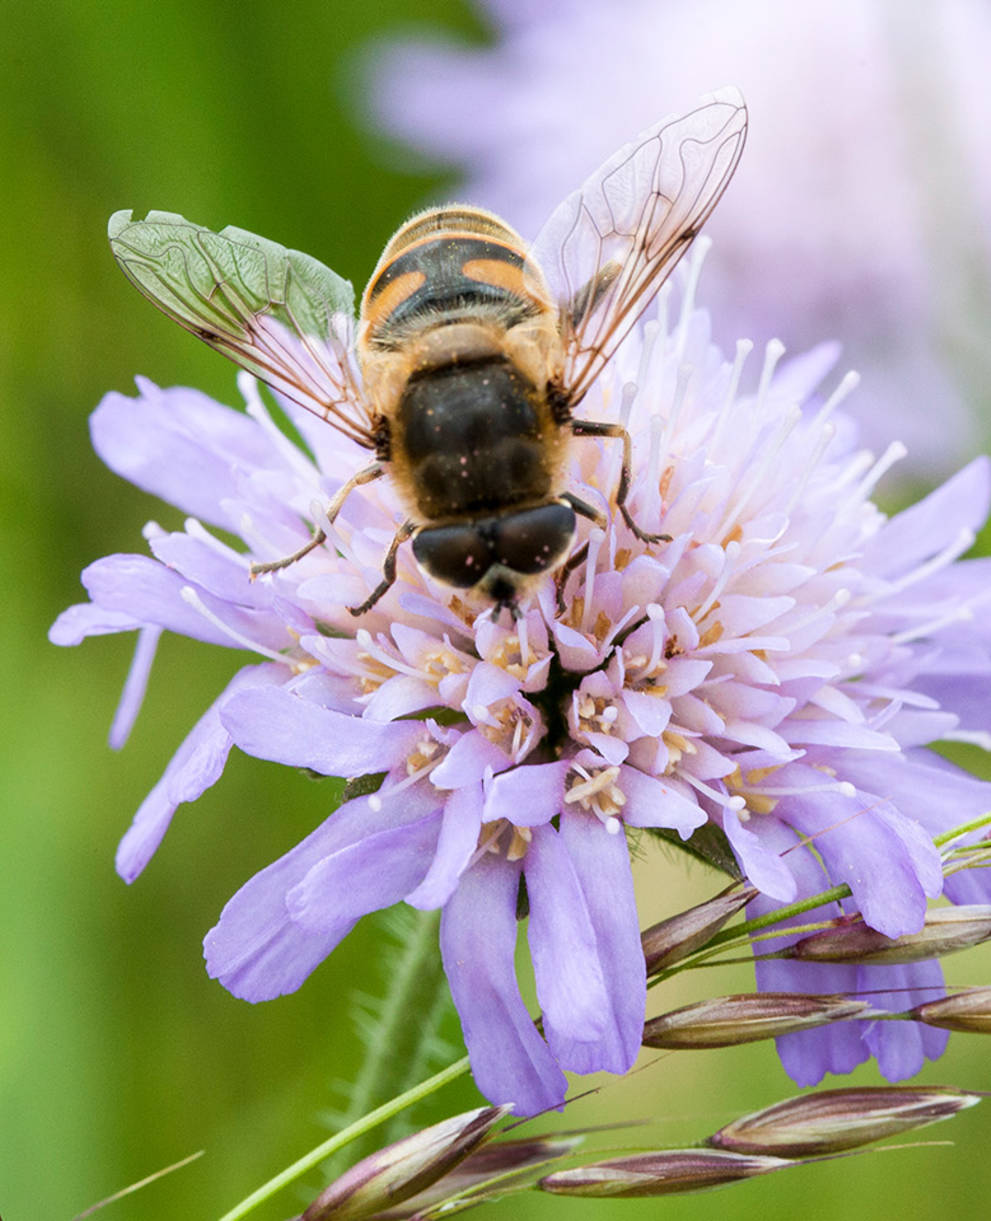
(446, 266)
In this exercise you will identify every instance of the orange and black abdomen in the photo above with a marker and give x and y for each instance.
(446, 266)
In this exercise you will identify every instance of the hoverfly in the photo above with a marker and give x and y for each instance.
(473, 350)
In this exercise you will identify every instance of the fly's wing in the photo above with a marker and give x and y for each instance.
(606, 250)
(277, 313)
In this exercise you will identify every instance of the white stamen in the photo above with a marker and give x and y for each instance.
(193, 599)
(772, 355)
(721, 799)
(847, 385)
(699, 251)
(684, 377)
(759, 474)
(523, 636)
(595, 540)
(657, 431)
(730, 554)
(960, 614)
(894, 453)
(195, 529)
(409, 780)
(255, 407)
(728, 410)
(626, 400)
(961, 542)
(371, 646)
(843, 787)
(651, 333)
(318, 515)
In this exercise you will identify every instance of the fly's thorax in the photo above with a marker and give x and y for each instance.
(472, 438)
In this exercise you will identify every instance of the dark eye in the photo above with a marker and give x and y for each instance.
(457, 555)
(533, 540)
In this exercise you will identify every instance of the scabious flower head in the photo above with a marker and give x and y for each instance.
(838, 212)
(775, 670)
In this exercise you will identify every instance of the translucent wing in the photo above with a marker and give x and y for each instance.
(277, 313)
(606, 250)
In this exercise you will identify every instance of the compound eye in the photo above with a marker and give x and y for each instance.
(534, 540)
(457, 555)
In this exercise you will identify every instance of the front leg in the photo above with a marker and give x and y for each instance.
(598, 428)
(365, 475)
(388, 569)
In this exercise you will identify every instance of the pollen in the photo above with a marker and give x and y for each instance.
(740, 786)
(423, 756)
(508, 726)
(596, 714)
(502, 838)
(438, 663)
(678, 746)
(509, 657)
(374, 671)
(597, 791)
(711, 634)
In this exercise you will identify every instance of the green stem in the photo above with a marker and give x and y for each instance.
(401, 1037)
(372, 1120)
(399, 1043)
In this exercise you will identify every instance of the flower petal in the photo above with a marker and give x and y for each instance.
(256, 950)
(195, 766)
(857, 840)
(526, 796)
(375, 872)
(455, 847)
(510, 1062)
(902, 1048)
(601, 861)
(652, 802)
(180, 445)
(570, 986)
(280, 725)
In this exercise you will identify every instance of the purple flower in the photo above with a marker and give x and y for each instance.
(864, 200)
(776, 670)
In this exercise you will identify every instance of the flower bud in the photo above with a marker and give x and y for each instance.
(661, 1173)
(969, 1010)
(833, 1120)
(675, 938)
(404, 1169)
(946, 930)
(728, 1020)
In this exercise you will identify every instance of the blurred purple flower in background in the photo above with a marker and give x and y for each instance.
(776, 670)
(862, 209)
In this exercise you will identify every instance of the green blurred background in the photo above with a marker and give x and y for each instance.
(117, 1054)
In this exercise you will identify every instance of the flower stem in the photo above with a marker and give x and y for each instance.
(398, 1049)
(401, 1035)
(372, 1120)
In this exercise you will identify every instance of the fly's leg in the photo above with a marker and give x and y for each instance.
(388, 569)
(588, 297)
(567, 568)
(597, 428)
(365, 475)
(576, 560)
